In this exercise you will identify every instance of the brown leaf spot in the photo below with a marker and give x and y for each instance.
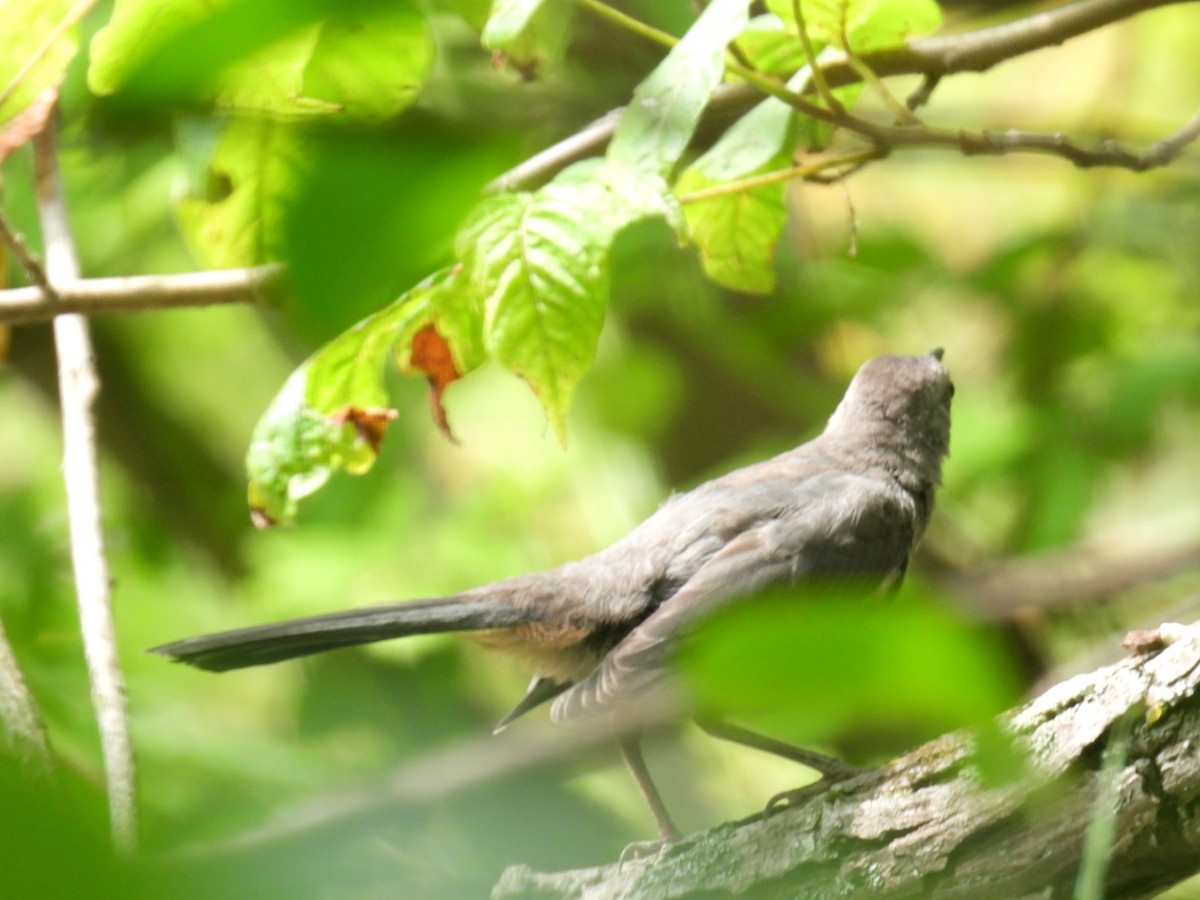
(431, 354)
(370, 422)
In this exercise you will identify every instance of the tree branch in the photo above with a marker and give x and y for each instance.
(929, 823)
(933, 57)
(19, 717)
(141, 292)
(78, 385)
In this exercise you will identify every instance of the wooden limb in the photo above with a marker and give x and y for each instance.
(78, 386)
(929, 824)
(933, 57)
(134, 293)
(21, 724)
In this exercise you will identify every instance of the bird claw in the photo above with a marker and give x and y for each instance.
(796, 796)
(646, 850)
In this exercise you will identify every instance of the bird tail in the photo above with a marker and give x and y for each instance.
(264, 644)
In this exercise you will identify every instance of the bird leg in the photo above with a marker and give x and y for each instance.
(631, 752)
(832, 769)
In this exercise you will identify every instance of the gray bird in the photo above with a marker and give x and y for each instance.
(852, 503)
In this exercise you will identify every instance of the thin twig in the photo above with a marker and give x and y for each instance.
(629, 23)
(20, 719)
(818, 76)
(134, 293)
(26, 259)
(78, 385)
(1001, 143)
(903, 114)
(789, 174)
(970, 51)
(924, 91)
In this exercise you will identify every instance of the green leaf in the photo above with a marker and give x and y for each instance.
(27, 25)
(815, 134)
(812, 664)
(348, 227)
(862, 25)
(294, 450)
(531, 33)
(255, 169)
(372, 67)
(541, 262)
(331, 413)
(659, 121)
(362, 61)
(770, 46)
(737, 232)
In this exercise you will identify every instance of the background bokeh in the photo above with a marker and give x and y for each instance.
(1068, 302)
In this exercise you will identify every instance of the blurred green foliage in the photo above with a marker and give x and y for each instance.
(1066, 300)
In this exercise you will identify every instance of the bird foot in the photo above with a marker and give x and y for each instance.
(647, 850)
(797, 796)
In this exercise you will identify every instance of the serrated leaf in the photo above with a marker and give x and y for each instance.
(862, 25)
(540, 261)
(332, 412)
(530, 33)
(255, 169)
(348, 371)
(659, 121)
(362, 60)
(27, 26)
(737, 232)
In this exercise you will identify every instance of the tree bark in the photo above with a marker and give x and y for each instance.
(1115, 749)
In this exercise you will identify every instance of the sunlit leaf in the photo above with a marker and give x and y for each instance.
(371, 68)
(863, 25)
(26, 66)
(770, 47)
(541, 261)
(332, 412)
(659, 121)
(737, 232)
(530, 33)
(363, 60)
(255, 169)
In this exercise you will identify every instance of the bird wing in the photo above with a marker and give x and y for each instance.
(840, 526)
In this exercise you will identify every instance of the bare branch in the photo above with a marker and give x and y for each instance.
(971, 51)
(142, 292)
(930, 824)
(29, 262)
(78, 385)
(1109, 153)
(19, 717)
